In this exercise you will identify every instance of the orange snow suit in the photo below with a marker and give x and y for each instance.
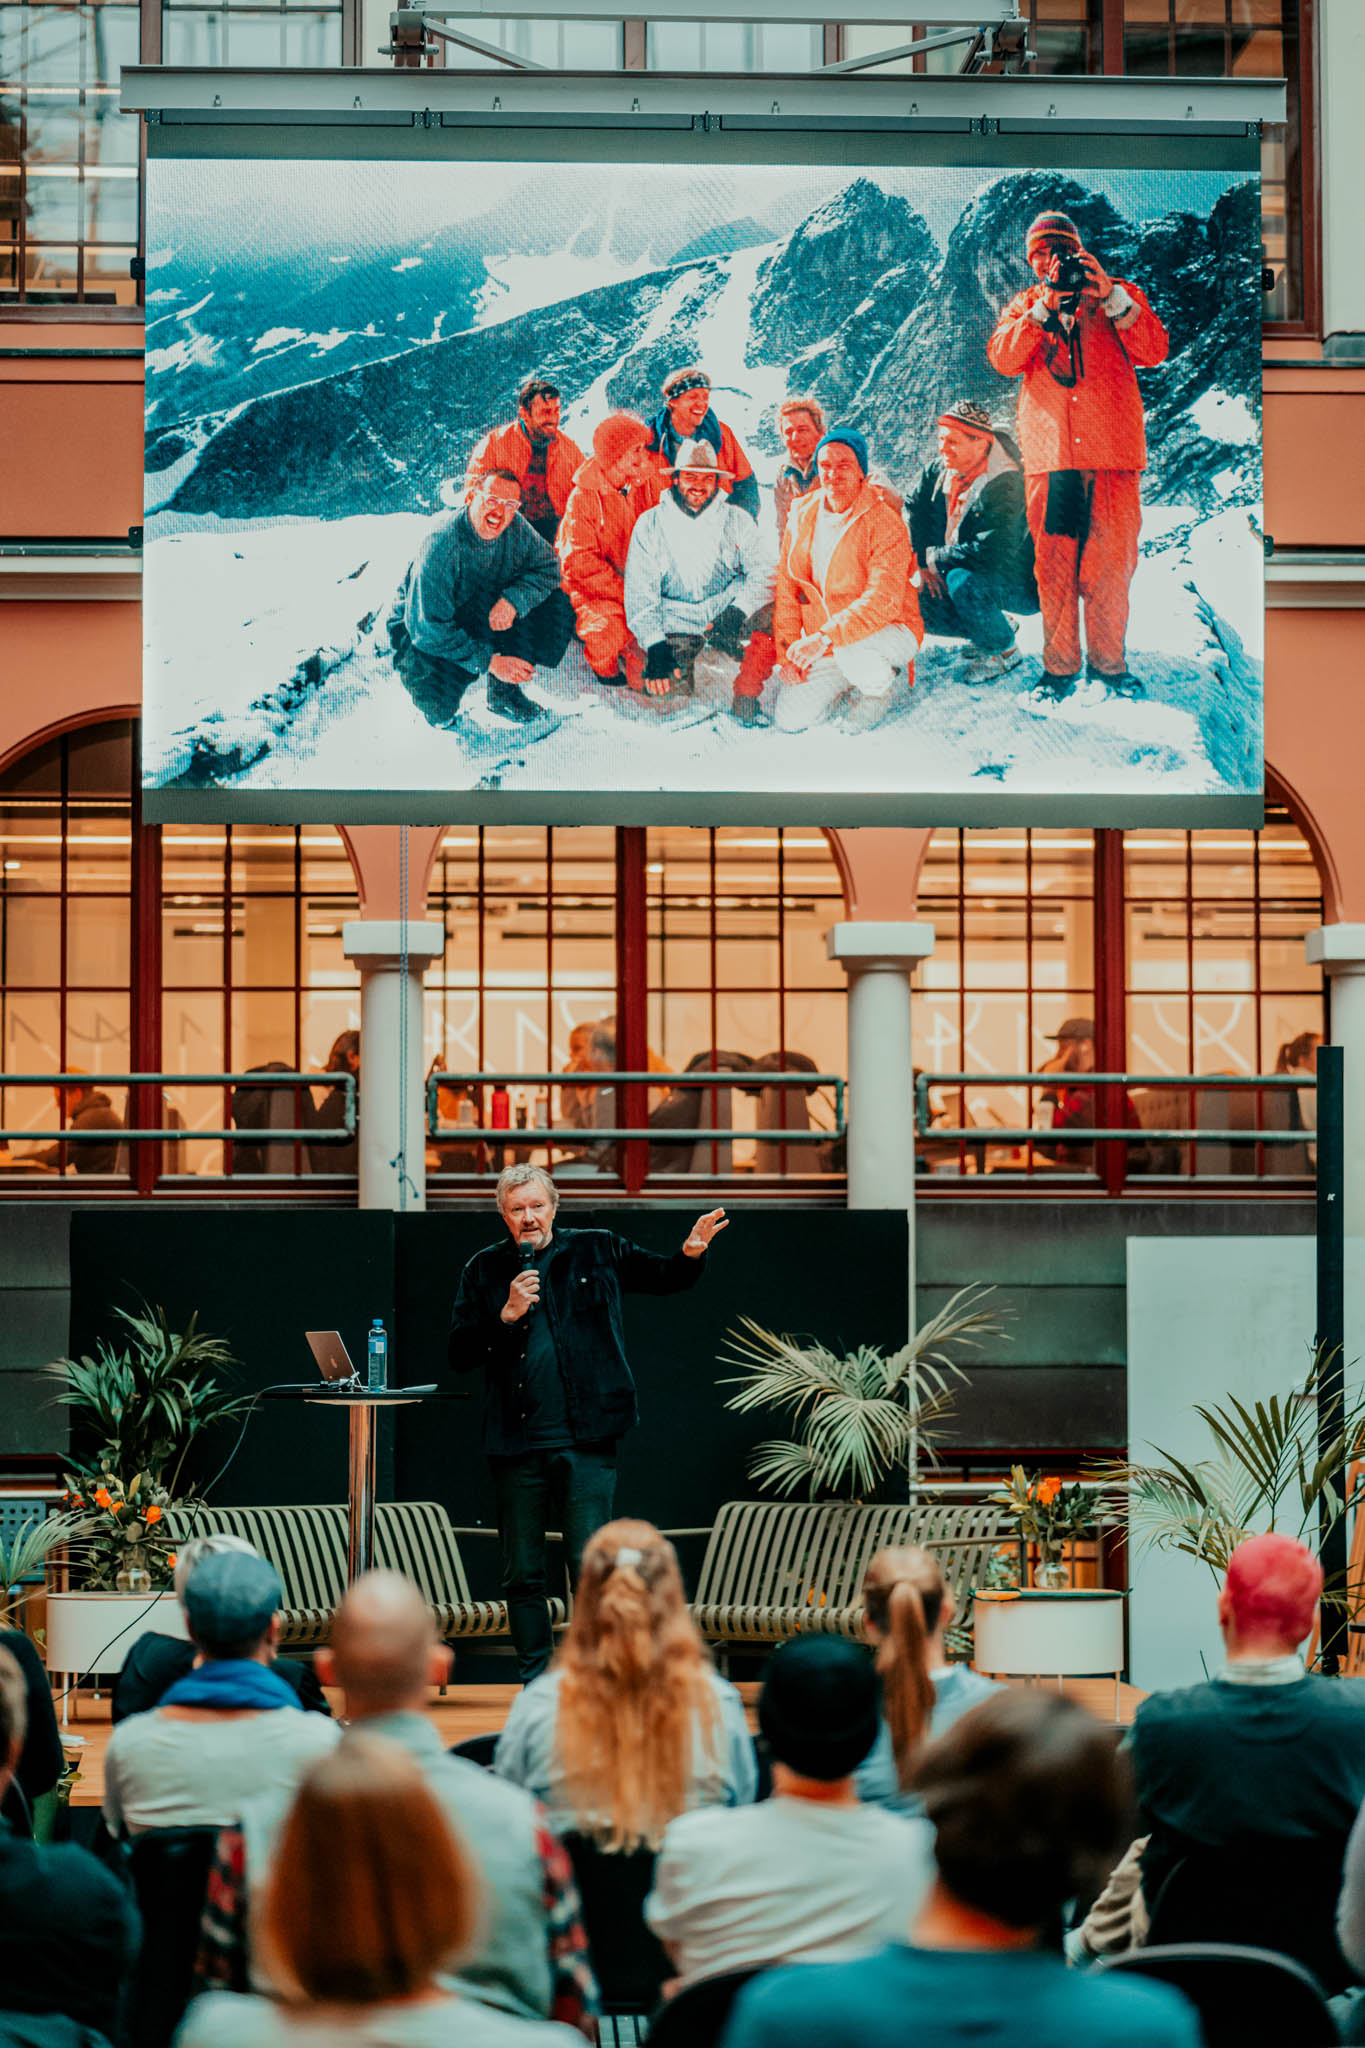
(1080, 412)
(594, 535)
(867, 583)
(509, 447)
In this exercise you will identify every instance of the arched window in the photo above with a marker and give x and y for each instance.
(66, 921)
(1183, 950)
(718, 935)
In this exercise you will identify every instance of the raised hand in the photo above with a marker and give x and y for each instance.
(703, 1230)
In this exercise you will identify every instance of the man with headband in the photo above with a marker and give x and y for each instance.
(541, 1314)
(687, 416)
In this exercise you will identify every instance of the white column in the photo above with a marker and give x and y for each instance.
(1339, 949)
(1341, 140)
(878, 959)
(392, 1109)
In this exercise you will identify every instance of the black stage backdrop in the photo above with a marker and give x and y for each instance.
(261, 1278)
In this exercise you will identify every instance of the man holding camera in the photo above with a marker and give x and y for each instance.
(1075, 337)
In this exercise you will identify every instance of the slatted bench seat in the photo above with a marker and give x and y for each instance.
(307, 1546)
(775, 1569)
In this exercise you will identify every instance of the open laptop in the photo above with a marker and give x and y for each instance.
(332, 1357)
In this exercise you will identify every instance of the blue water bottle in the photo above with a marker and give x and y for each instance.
(378, 1375)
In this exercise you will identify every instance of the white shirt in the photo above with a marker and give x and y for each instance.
(788, 1879)
(165, 1771)
(829, 527)
(224, 2020)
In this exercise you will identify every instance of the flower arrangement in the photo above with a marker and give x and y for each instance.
(140, 1407)
(120, 1537)
(1050, 1513)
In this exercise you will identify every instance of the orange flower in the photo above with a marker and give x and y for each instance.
(103, 1497)
(173, 1559)
(153, 1514)
(1048, 1492)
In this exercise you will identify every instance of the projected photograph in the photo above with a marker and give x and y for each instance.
(641, 486)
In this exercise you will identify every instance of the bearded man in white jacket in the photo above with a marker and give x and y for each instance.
(699, 574)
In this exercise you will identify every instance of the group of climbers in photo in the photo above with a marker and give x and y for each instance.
(812, 597)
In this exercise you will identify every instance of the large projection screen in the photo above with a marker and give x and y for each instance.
(1054, 613)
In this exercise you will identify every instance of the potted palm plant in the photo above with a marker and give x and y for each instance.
(859, 1415)
(140, 1403)
(1265, 1470)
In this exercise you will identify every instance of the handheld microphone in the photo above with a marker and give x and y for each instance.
(528, 1251)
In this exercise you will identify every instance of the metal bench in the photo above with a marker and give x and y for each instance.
(307, 1546)
(775, 1569)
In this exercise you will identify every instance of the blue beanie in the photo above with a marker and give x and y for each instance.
(847, 437)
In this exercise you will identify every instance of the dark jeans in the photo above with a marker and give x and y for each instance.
(974, 609)
(436, 686)
(578, 1485)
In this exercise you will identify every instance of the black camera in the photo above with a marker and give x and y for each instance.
(1072, 276)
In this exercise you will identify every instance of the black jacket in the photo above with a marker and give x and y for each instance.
(992, 535)
(581, 1290)
(68, 1934)
(156, 1663)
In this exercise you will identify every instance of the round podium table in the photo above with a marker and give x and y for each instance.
(363, 1406)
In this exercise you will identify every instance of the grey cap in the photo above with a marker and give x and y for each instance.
(1074, 1027)
(230, 1598)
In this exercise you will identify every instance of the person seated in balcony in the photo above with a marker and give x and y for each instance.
(1300, 1056)
(40, 1761)
(1074, 1105)
(373, 1899)
(81, 1107)
(632, 1725)
(908, 1610)
(812, 1873)
(230, 1728)
(156, 1662)
(324, 1109)
(68, 1928)
(1027, 1796)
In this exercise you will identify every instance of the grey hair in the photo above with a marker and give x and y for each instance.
(190, 1553)
(517, 1177)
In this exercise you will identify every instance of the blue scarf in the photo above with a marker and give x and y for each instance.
(664, 435)
(231, 1682)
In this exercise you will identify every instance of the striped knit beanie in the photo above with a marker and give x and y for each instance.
(1051, 227)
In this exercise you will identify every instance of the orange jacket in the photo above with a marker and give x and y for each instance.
(867, 584)
(1097, 423)
(594, 534)
(509, 447)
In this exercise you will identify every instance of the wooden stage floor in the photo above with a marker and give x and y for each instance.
(481, 1710)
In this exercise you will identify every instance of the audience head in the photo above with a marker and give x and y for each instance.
(1299, 1055)
(908, 1605)
(13, 1716)
(370, 1892)
(527, 1201)
(818, 1707)
(1029, 1798)
(384, 1650)
(635, 1682)
(231, 1599)
(1266, 1606)
(344, 1057)
(215, 1545)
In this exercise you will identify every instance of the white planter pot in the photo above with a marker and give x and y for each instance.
(1032, 1634)
(92, 1633)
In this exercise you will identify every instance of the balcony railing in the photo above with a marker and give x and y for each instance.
(1127, 1126)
